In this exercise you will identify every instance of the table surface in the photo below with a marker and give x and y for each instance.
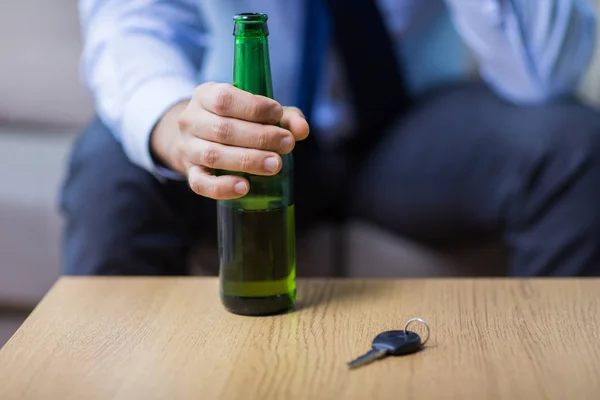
(170, 338)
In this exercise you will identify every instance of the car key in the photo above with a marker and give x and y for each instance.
(395, 343)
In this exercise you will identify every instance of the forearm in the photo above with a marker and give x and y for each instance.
(140, 58)
(528, 51)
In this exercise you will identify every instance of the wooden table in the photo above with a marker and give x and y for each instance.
(169, 338)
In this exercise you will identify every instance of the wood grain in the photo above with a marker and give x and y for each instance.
(169, 338)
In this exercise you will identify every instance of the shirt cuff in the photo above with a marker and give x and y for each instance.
(143, 110)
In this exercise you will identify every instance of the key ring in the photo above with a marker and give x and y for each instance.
(410, 321)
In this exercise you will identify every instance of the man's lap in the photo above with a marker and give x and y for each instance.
(466, 163)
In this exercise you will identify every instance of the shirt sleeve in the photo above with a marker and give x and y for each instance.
(140, 57)
(528, 51)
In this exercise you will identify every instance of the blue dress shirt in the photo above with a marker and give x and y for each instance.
(142, 56)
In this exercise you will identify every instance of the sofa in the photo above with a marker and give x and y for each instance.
(43, 107)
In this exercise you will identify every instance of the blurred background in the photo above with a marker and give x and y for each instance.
(43, 107)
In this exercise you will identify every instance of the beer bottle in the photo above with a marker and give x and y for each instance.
(257, 249)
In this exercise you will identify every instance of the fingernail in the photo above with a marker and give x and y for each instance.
(271, 164)
(276, 112)
(286, 143)
(240, 188)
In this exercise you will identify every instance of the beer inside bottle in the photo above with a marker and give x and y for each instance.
(257, 249)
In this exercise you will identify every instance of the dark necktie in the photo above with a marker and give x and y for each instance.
(367, 51)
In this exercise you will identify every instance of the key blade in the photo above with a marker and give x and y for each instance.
(369, 357)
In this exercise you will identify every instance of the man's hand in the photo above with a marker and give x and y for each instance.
(226, 128)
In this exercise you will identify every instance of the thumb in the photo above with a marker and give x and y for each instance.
(294, 121)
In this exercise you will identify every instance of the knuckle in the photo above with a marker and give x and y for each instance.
(262, 140)
(246, 161)
(209, 157)
(196, 186)
(223, 99)
(183, 123)
(278, 114)
(255, 109)
(214, 190)
(222, 130)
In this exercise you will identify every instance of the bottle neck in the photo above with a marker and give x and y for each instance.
(252, 67)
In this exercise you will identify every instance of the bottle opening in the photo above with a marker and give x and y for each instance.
(250, 17)
(250, 25)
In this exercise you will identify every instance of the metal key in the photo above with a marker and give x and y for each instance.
(394, 343)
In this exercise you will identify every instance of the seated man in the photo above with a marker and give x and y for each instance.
(384, 87)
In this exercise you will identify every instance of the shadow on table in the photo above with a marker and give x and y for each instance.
(318, 293)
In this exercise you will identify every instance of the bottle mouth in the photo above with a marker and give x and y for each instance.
(251, 17)
(250, 25)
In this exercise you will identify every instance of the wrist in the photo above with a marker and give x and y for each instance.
(164, 137)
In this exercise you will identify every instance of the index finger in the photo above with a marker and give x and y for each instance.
(228, 101)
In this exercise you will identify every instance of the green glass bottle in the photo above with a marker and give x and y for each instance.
(257, 249)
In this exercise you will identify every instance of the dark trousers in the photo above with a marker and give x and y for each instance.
(462, 163)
